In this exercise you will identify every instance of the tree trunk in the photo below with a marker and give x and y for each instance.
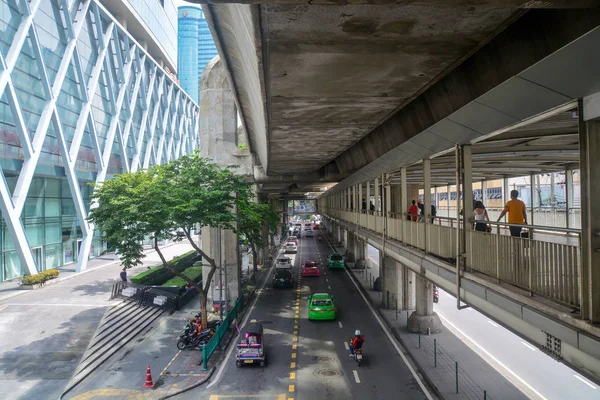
(206, 280)
(254, 257)
(177, 273)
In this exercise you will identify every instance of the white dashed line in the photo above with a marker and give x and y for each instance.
(586, 382)
(326, 279)
(340, 324)
(493, 324)
(356, 376)
(346, 346)
(329, 287)
(530, 347)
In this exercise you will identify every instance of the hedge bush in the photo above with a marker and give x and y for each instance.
(42, 277)
(158, 275)
(194, 273)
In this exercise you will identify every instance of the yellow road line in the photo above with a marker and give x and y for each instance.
(295, 326)
(295, 332)
(292, 375)
(293, 355)
(292, 365)
(294, 346)
(294, 339)
(169, 364)
(291, 388)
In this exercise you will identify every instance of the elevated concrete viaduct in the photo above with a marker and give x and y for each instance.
(367, 102)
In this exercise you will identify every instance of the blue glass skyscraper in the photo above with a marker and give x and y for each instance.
(195, 49)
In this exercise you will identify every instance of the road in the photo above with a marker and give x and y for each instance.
(308, 359)
(521, 363)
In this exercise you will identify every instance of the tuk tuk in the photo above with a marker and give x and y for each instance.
(250, 347)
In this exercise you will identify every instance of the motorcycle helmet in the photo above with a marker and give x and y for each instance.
(357, 332)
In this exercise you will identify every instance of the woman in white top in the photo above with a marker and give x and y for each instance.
(480, 214)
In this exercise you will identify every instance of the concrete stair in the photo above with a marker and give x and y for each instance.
(120, 325)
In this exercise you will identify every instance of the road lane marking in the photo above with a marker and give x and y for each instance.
(329, 287)
(493, 324)
(292, 375)
(291, 388)
(169, 364)
(294, 347)
(346, 346)
(295, 326)
(530, 347)
(295, 332)
(222, 368)
(356, 378)
(340, 324)
(294, 339)
(292, 365)
(586, 382)
(391, 339)
(294, 355)
(326, 280)
(492, 357)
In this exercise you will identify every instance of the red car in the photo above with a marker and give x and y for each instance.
(310, 268)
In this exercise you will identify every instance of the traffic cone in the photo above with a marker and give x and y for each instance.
(148, 383)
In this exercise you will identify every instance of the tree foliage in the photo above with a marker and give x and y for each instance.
(181, 194)
(253, 217)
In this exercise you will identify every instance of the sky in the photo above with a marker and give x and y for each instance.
(183, 3)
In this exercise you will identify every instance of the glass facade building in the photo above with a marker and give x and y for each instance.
(80, 101)
(195, 49)
(160, 20)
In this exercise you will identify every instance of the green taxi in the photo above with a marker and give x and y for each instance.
(335, 260)
(321, 307)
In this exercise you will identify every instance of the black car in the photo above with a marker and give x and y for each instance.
(283, 279)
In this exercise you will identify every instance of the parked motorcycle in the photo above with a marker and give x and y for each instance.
(436, 294)
(191, 341)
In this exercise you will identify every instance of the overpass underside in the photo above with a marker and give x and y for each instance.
(367, 101)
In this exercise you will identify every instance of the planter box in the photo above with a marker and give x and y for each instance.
(160, 300)
(129, 292)
(39, 285)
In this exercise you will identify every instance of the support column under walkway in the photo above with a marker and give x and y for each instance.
(423, 318)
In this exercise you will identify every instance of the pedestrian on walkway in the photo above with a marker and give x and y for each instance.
(517, 213)
(123, 275)
(414, 211)
(480, 214)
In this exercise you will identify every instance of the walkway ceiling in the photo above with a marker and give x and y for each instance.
(353, 91)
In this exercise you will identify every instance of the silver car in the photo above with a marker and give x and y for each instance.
(291, 247)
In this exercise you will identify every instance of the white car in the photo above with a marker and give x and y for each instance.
(283, 263)
(291, 247)
(308, 233)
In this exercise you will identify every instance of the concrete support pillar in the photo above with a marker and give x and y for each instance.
(359, 250)
(223, 246)
(377, 197)
(387, 195)
(589, 282)
(423, 319)
(568, 196)
(360, 197)
(467, 185)
(426, 199)
(408, 288)
(351, 247)
(389, 276)
(368, 195)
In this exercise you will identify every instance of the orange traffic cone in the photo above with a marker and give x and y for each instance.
(148, 383)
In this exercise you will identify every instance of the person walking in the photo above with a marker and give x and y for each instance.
(480, 214)
(414, 211)
(517, 213)
(123, 275)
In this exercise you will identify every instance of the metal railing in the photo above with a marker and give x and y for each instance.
(546, 263)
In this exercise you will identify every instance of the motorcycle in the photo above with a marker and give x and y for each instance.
(319, 238)
(188, 341)
(436, 294)
(357, 355)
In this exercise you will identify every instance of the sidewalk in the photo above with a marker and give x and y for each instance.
(44, 332)
(474, 374)
(172, 370)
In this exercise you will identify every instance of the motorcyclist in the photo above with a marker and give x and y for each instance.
(356, 342)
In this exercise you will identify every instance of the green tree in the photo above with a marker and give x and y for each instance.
(180, 194)
(252, 218)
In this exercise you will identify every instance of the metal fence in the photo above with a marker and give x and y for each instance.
(547, 262)
(221, 331)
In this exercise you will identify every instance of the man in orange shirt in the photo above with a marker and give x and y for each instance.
(517, 213)
(414, 211)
